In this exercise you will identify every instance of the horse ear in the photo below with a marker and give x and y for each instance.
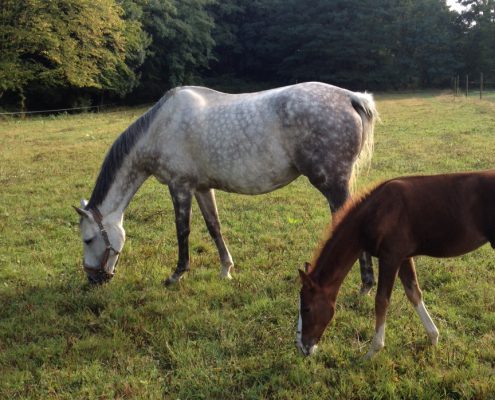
(81, 212)
(305, 279)
(303, 276)
(307, 267)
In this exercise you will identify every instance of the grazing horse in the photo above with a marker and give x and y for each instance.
(439, 216)
(196, 139)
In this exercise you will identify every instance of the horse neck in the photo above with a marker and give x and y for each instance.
(338, 256)
(127, 164)
(127, 181)
(118, 181)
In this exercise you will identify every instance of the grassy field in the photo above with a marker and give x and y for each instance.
(211, 339)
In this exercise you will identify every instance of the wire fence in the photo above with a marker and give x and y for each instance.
(474, 86)
(56, 111)
(462, 86)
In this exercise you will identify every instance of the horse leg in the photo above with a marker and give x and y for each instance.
(182, 200)
(387, 272)
(336, 195)
(208, 207)
(366, 269)
(407, 274)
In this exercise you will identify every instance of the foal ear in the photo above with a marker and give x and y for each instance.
(307, 267)
(305, 279)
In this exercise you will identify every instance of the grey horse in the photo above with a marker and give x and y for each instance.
(196, 139)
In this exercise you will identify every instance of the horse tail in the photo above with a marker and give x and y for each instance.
(364, 105)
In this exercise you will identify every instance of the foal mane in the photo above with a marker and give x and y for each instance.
(120, 149)
(338, 218)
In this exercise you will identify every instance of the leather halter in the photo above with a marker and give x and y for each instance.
(101, 270)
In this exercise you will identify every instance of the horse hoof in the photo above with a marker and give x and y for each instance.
(434, 338)
(171, 280)
(168, 282)
(226, 276)
(365, 289)
(225, 272)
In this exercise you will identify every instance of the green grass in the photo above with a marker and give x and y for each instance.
(211, 339)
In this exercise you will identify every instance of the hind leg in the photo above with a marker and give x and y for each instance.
(407, 274)
(182, 200)
(336, 194)
(208, 206)
(366, 269)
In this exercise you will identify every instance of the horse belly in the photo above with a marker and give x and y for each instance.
(452, 245)
(244, 156)
(249, 176)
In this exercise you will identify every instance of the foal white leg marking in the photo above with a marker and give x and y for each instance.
(378, 342)
(430, 327)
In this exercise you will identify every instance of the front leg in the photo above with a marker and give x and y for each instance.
(182, 200)
(387, 272)
(208, 207)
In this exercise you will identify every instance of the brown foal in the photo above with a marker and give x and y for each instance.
(440, 216)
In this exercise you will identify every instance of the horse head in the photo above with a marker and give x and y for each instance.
(103, 239)
(316, 310)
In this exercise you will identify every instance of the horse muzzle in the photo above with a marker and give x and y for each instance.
(306, 350)
(97, 276)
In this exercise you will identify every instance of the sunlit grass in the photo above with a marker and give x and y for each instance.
(207, 338)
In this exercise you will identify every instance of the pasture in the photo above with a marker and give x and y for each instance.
(213, 339)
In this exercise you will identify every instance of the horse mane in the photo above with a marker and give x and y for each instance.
(347, 208)
(119, 151)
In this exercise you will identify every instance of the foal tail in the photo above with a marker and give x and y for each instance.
(364, 105)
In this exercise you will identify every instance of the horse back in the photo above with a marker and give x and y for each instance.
(439, 215)
(256, 142)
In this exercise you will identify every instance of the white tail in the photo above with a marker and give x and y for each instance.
(364, 104)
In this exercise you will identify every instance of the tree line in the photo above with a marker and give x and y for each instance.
(82, 52)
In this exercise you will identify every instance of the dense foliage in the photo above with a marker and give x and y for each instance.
(66, 52)
(47, 47)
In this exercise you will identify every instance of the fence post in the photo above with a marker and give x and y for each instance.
(481, 85)
(467, 85)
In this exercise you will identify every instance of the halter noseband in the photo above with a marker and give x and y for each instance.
(100, 270)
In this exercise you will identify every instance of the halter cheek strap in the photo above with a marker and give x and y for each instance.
(101, 270)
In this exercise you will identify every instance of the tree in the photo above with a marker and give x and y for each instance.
(78, 44)
(478, 22)
(181, 43)
(425, 38)
(228, 17)
(354, 43)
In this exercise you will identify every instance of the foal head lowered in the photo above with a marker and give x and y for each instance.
(316, 310)
(103, 240)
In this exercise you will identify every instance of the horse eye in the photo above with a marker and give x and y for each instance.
(306, 310)
(88, 241)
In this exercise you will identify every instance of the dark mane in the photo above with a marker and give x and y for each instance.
(120, 149)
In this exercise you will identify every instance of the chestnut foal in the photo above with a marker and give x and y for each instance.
(440, 216)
